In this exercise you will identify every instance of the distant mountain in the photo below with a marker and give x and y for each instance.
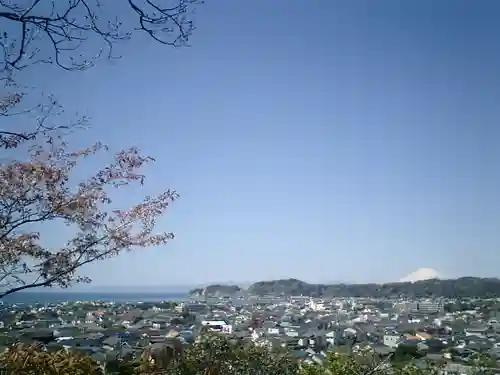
(451, 288)
(421, 274)
(216, 290)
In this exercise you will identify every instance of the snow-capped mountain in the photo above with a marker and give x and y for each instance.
(422, 274)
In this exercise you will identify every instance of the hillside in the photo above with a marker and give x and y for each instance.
(215, 290)
(452, 288)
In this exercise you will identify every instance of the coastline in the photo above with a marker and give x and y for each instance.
(72, 296)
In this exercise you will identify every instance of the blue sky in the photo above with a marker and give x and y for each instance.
(323, 140)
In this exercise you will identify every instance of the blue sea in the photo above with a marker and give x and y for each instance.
(54, 297)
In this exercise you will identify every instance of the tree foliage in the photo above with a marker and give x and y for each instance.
(30, 360)
(59, 32)
(452, 288)
(212, 355)
(218, 355)
(335, 364)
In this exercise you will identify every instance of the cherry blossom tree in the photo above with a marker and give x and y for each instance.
(39, 188)
(37, 185)
(37, 117)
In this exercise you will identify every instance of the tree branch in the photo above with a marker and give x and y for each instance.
(67, 28)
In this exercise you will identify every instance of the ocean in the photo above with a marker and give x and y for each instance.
(54, 297)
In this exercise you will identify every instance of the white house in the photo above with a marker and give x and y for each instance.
(218, 326)
(392, 340)
(273, 331)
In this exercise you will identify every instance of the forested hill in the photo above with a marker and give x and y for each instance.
(215, 290)
(451, 288)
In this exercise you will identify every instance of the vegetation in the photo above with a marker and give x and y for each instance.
(29, 360)
(214, 355)
(453, 288)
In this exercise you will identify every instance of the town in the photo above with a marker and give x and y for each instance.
(448, 331)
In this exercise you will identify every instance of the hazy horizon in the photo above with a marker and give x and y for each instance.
(170, 288)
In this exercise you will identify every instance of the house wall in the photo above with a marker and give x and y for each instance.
(392, 341)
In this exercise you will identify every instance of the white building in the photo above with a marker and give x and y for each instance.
(218, 326)
(316, 305)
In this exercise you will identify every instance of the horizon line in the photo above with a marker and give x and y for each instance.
(184, 288)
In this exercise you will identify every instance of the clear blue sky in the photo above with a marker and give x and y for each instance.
(349, 140)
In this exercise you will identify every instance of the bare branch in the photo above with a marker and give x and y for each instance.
(41, 114)
(66, 26)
